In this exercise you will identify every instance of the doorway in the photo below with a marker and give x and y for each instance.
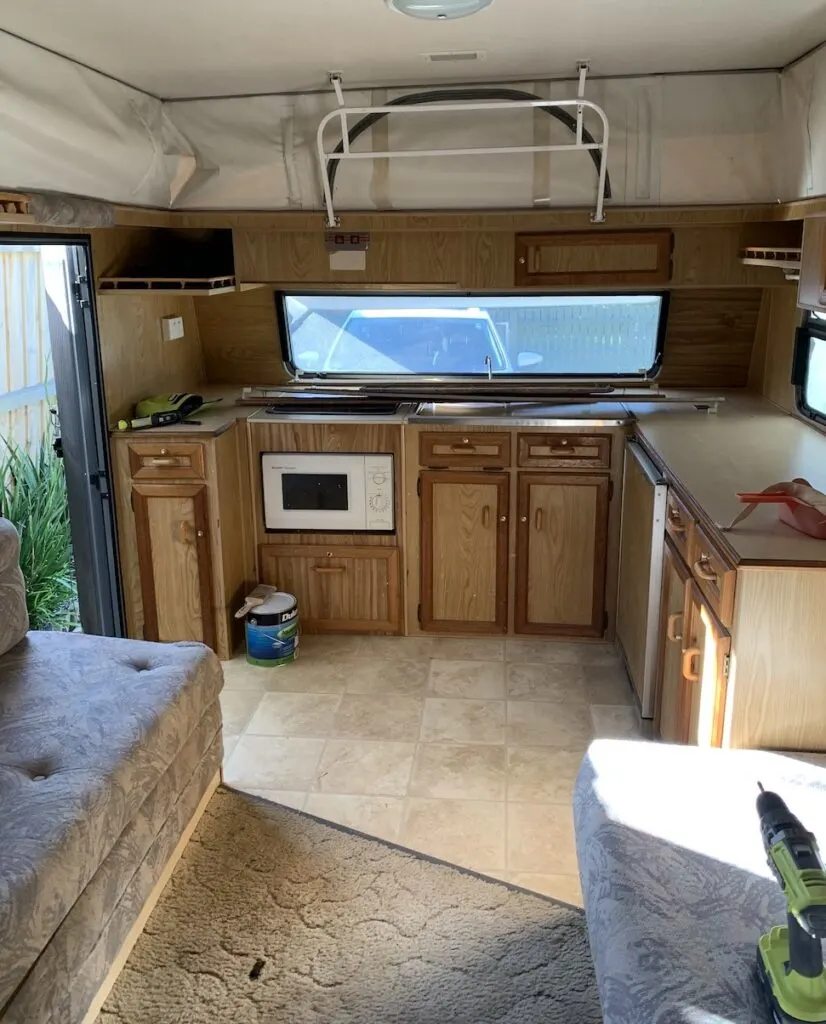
(54, 459)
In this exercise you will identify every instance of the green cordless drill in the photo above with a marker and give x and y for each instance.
(790, 958)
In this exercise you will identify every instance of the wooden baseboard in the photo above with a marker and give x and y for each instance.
(140, 922)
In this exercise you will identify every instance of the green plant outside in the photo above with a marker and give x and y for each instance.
(33, 497)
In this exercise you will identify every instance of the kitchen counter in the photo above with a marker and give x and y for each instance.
(747, 446)
(209, 422)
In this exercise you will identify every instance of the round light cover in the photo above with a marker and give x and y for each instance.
(438, 10)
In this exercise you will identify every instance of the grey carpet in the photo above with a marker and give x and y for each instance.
(350, 931)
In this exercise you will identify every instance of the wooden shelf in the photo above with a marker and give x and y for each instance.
(14, 208)
(176, 285)
(785, 258)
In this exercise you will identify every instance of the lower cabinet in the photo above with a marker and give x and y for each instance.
(174, 561)
(561, 550)
(464, 551)
(669, 717)
(339, 590)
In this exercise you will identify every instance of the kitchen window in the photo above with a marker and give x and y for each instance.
(810, 368)
(585, 336)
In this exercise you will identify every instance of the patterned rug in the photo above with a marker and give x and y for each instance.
(272, 916)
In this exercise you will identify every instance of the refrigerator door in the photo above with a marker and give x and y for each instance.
(640, 571)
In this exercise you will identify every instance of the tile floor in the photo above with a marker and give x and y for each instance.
(462, 749)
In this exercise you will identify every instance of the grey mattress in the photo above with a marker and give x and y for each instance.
(88, 728)
(676, 885)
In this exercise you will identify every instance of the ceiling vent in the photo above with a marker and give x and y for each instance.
(451, 56)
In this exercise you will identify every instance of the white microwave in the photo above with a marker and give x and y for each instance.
(328, 492)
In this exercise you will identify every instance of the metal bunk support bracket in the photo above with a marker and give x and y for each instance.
(343, 151)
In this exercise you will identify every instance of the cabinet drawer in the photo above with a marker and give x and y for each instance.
(339, 590)
(564, 451)
(679, 525)
(714, 576)
(166, 460)
(464, 449)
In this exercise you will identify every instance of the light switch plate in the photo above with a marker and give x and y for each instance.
(172, 327)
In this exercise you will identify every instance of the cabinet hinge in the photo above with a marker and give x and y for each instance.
(419, 613)
(419, 487)
(726, 665)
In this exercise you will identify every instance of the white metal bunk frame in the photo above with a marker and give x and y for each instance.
(343, 112)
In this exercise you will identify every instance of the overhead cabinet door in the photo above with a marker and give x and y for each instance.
(464, 552)
(561, 550)
(594, 259)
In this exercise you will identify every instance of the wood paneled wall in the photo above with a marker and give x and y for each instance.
(771, 368)
(708, 343)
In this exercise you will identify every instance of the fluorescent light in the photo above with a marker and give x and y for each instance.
(438, 10)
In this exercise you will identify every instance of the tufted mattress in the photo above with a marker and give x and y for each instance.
(106, 747)
(676, 885)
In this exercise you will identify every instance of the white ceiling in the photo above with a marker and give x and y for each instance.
(188, 48)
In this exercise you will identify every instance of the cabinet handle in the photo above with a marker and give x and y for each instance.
(485, 516)
(523, 519)
(329, 570)
(671, 628)
(465, 446)
(163, 462)
(503, 519)
(702, 570)
(537, 519)
(199, 533)
(689, 672)
(676, 520)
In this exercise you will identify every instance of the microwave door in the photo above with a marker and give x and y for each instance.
(314, 493)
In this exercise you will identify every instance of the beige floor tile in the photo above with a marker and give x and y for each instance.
(230, 743)
(237, 708)
(536, 723)
(286, 797)
(553, 651)
(270, 762)
(309, 675)
(555, 682)
(479, 679)
(542, 774)
(410, 648)
(615, 723)
(389, 717)
(608, 684)
(294, 714)
(463, 771)
(541, 839)
(559, 887)
(240, 675)
(405, 676)
(379, 816)
(315, 646)
(463, 721)
(485, 648)
(366, 767)
(466, 832)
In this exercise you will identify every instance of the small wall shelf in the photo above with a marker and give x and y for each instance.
(178, 285)
(785, 258)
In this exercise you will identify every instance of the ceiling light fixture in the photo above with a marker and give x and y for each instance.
(438, 10)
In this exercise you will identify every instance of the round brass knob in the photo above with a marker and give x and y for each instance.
(164, 451)
(503, 519)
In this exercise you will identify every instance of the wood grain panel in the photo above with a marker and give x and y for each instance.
(595, 258)
(709, 338)
(669, 711)
(440, 449)
(323, 437)
(339, 590)
(174, 560)
(568, 452)
(812, 286)
(561, 554)
(776, 692)
(704, 695)
(159, 460)
(771, 368)
(464, 557)
(239, 338)
(715, 577)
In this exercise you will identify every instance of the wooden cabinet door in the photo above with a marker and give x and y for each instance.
(339, 590)
(705, 669)
(670, 711)
(561, 543)
(174, 561)
(587, 258)
(464, 552)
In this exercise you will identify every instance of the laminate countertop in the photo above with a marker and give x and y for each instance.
(747, 445)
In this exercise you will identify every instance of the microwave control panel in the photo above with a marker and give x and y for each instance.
(378, 492)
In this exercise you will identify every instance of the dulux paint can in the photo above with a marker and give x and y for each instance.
(272, 631)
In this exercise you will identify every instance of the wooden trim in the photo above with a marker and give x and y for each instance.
(564, 460)
(428, 620)
(528, 272)
(521, 623)
(140, 504)
(139, 923)
(671, 560)
(723, 648)
(189, 455)
(463, 445)
(689, 605)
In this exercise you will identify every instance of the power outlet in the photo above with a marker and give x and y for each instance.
(172, 328)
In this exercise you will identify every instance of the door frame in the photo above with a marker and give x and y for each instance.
(84, 434)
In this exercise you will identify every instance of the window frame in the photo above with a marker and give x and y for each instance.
(812, 327)
(281, 295)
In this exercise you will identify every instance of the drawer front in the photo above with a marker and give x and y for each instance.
(159, 460)
(714, 576)
(679, 525)
(479, 451)
(340, 590)
(565, 451)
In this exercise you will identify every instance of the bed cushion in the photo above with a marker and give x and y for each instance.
(88, 726)
(14, 618)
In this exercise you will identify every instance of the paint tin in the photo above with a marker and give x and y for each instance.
(272, 632)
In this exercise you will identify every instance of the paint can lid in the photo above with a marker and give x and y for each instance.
(276, 604)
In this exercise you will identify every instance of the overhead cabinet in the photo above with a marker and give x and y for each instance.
(812, 289)
(594, 259)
